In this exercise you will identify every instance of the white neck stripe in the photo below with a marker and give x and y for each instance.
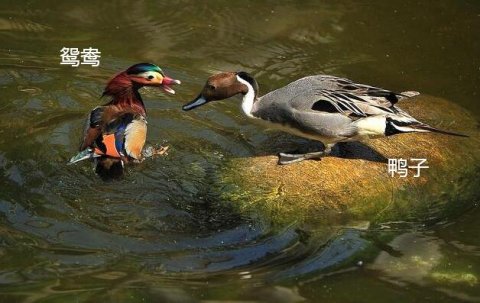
(248, 98)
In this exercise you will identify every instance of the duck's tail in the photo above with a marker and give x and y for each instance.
(87, 153)
(106, 167)
(440, 131)
(405, 124)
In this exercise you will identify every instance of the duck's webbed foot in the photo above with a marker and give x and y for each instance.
(150, 151)
(287, 158)
(284, 158)
(161, 151)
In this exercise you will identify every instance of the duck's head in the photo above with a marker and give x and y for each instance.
(139, 75)
(224, 85)
(147, 74)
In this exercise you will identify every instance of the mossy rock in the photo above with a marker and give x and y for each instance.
(354, 182)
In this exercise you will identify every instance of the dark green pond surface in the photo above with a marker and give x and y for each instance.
(163, 233)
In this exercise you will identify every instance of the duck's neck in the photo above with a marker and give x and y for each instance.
(125, 94)
(249, 98)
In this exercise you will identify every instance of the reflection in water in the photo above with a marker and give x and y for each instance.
(419, 256)
(421, 264)
(164, 233)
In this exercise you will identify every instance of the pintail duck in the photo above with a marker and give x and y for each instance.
(115, 132)
(321, 107)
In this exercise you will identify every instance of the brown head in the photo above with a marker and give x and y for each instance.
(222, 86)
(137, 76)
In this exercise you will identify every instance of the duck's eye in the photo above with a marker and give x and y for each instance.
(150, 77)
(211, 87)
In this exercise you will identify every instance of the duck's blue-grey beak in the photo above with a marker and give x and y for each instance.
(198, 101)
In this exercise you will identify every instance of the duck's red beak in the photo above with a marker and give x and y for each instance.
(167, 81)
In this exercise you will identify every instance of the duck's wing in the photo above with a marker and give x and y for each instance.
(339, 95)
(125, 136)
(93, 127)
(351, 105)
(115, 133)
(367, 93)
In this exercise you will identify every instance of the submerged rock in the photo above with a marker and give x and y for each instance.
(355, 181)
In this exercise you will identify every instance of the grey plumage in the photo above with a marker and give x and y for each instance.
(332, 109)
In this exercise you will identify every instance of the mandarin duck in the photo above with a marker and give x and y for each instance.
(325, 108)
(115, 133)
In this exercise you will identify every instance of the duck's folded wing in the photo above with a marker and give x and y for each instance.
(340, 102)
(128, 132)
(353, 105)
(93, 128)
(368, 93)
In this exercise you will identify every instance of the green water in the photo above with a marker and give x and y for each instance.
(163, 232)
